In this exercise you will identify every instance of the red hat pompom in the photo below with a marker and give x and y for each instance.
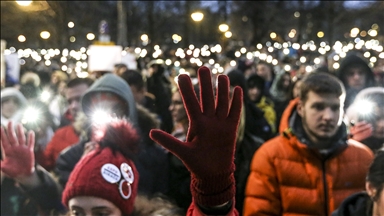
(119, 134)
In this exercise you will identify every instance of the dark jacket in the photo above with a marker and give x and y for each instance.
(358, 204)
(43, 200)
(160, 86)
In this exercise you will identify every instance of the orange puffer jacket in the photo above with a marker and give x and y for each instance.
(288, 178)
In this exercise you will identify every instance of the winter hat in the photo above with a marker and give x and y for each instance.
(108, 171)
(13, 92)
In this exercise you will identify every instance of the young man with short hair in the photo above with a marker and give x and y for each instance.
(66, 135)
(311, 167)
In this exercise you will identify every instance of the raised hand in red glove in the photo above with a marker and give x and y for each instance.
(208, 152)
(361, 130)
(18, 156)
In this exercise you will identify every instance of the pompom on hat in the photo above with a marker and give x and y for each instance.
(108, 172)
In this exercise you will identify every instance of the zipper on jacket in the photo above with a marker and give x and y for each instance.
(325, 187)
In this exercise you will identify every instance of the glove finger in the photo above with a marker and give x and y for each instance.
(222, 99)
(21, 135)
(237, 102)
(12, 134)
(31, 140)
(169, 142)
(187, 92)
(4, 140)
(206, 91)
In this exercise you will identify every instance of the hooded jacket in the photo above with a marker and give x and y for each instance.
(13, 92)
(109, 83)
(151, 162)
(288, 177)
(112, 83)
(353, 60)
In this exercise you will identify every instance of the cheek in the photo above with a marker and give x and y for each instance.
(381, 202)
(182, 112)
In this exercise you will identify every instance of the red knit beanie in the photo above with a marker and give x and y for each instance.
(105, 172)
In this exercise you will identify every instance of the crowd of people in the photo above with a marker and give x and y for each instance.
(254, 140)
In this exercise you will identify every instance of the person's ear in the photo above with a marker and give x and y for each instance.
(300, 108)
(371, 190)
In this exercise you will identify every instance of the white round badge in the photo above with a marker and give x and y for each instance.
(125, 189)
(127, 172)
(110, 173)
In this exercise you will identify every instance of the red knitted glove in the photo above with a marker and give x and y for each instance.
(361, 130)
(18, 155)
(208, 152)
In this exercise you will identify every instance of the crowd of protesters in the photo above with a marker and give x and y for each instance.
(149, 141)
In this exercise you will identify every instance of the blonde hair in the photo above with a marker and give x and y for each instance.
(60, 75)
(30, 77)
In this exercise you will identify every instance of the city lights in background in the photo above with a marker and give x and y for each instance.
(223, 27)
(144, 37)
(91, 36)
(314, 53)
(228, 34)
(354, 32)
(197, 16)
(72, 39)
(176, 38)
(24, 3)
(273, 35)
(21, 38)
(71, 24)
(45, 34)
(320, 34)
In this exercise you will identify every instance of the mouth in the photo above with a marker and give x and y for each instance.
(326, 128)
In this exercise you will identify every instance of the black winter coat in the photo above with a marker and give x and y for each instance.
(358, 204)
(43, 200)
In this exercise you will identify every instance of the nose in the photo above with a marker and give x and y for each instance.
(328, 114)
(170, 108)
(74, 105)
(357, 75)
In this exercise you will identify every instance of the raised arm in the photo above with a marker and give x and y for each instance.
(208, 152)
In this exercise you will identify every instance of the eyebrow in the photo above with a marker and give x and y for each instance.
(94, 208)
(100, 207)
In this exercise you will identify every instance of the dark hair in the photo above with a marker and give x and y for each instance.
(256, 81)
(133, 78)
(355, 60)
(321, 83)
(78, 81)
(120, 65)
(295, 80)
(237, 78)
(268, 65)
(280, 82)
(376, 173)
